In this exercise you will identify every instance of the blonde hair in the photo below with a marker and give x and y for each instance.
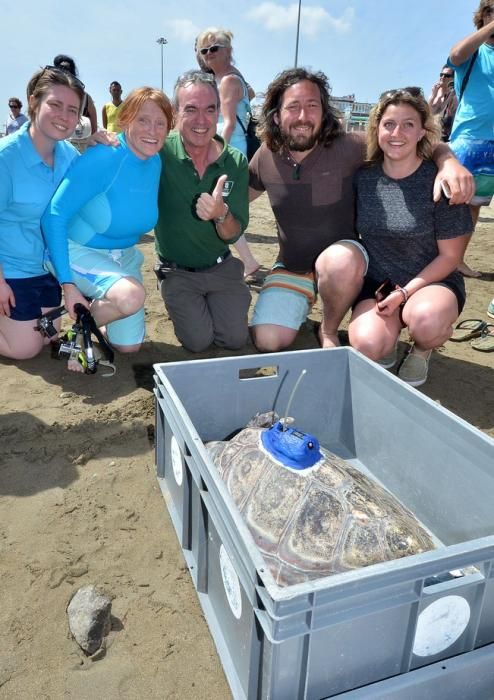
(214, 35)
(426, 144)
(134, 101)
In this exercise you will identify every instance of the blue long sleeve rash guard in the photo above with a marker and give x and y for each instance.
(108, 199)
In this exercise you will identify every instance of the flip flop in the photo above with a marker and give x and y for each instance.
(486, 341)
(468, 329)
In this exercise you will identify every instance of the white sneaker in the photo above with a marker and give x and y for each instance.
(414, 368)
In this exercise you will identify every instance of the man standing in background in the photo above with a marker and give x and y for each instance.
(111, 109)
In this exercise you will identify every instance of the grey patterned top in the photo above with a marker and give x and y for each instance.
(400, 224)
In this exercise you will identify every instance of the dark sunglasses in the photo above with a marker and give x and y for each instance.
(14, 106)
(413, 91)
(446, 75)
(64, 71)
(211, 49)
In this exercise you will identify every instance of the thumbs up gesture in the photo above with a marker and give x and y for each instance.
(211, 206)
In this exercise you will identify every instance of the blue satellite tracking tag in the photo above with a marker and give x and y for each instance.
(291, 447)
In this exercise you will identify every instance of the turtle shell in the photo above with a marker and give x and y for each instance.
(315, 522)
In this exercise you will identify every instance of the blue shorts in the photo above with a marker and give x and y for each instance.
(33, 296)
(478, 157)
(96, 270)
(286, 298)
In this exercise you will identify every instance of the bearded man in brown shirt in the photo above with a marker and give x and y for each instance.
(306, 165)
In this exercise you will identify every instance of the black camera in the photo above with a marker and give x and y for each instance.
(45, 324)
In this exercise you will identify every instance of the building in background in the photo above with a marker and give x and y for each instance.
(354, 115)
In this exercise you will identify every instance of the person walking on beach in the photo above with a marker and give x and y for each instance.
(203, 208)
(306, 164)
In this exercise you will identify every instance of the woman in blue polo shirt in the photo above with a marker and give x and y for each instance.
(33, 162)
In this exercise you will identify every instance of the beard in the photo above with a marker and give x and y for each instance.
(301, 142)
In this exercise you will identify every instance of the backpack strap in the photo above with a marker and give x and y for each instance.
(467, 74)
(243, 127)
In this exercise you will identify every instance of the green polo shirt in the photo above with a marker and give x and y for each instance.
(181, 236)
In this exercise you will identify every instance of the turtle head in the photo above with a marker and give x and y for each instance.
(290, 446)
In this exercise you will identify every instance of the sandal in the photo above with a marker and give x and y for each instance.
(468, 329)
(486, 341)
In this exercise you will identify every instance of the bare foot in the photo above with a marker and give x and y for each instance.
(467, 271)
(74, 366)
(251, 269)
(328, 340)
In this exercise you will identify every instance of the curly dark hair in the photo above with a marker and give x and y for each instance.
(478, 15)
(268, 130)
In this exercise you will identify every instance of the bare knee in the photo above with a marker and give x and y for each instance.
(130, 300)
(127, 349)
(21, 351)
(372, 347)
(427, 327)
(341, 261)
(269, 338)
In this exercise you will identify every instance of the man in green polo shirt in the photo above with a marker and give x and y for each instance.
(203, 208)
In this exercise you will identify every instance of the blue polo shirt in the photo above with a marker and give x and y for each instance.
(26, 186)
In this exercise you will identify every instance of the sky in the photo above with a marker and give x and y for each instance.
(364, 46)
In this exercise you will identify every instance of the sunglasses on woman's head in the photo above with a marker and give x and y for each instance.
(413, 91)
(211, 49)
(64, 71)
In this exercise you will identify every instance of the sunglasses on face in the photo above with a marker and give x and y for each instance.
(413, 91)
(445, 75)
(211, 49)
(14, 106)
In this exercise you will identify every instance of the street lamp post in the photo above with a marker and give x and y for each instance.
(298, 32)
(161, 41)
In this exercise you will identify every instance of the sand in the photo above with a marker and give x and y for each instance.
(80, 504)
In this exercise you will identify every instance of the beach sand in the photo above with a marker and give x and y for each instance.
(80, 504)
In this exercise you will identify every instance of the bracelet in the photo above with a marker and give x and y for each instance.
(220, 219)
(403, 292)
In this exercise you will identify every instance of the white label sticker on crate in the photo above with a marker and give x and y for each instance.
(231, 583)
(440, 625)
(177, 461)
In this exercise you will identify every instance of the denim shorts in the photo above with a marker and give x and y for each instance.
(33, 296)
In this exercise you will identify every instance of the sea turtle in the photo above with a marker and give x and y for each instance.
(314, 521)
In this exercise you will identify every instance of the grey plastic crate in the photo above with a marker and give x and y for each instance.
(336, 634)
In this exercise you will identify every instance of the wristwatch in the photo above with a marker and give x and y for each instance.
(220, 219)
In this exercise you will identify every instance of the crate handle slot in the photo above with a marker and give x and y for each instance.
(258, 372)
